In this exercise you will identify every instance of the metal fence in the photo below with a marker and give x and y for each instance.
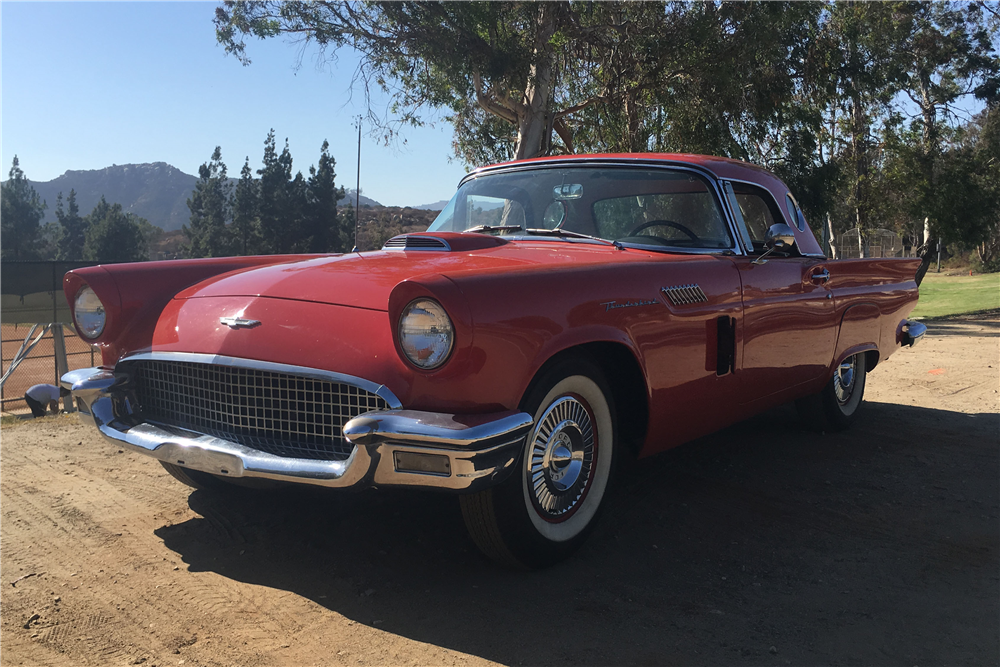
(40, 365)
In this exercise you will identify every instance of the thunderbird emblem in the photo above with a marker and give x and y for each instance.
(239, 322)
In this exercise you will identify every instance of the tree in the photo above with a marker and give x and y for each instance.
(273, 211)
(323, 230)
(209, 206)
(245, 226)
(73, 228)
(113, 235)
(21, 211)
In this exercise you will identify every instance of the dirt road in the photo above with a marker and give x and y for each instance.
(764, 544)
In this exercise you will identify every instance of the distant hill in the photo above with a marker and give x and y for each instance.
(156, 191)
(349, 199)
(436, 206)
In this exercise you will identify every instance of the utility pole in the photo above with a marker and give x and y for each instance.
(357, 191)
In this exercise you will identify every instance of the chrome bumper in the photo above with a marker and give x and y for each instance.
(912, 332)
(391, 448)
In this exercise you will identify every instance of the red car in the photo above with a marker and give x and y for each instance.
(559, 314)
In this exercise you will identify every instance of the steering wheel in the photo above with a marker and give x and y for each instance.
(665, 223)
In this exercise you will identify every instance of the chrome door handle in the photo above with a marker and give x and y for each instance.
(823, 275)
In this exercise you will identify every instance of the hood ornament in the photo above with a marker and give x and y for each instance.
(239, 322)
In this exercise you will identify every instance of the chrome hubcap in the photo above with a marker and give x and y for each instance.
(561, 458)
(843, 380)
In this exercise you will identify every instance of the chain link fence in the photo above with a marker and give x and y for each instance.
(31, 293)
(40, 365)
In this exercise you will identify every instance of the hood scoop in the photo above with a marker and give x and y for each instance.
(443, 242)
(416, 242)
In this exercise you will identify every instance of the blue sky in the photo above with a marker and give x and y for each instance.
(87, 85)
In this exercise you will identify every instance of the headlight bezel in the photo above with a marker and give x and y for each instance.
(442, 316)
(100, 310)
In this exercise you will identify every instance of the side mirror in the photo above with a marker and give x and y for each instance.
(779, 237)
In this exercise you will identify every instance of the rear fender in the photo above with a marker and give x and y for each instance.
(860, 329)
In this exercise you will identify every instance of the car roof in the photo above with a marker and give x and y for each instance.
(722, 167)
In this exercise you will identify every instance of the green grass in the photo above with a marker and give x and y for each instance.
(942, 295)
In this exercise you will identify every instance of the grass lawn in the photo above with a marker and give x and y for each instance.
(942, 295)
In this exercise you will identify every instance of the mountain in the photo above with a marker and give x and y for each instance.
(156, 191)
(436, 206)
(349, 199)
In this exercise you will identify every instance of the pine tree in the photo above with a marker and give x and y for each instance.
(322, 227)
(21, 211)
(208, 235)
(113, 235)
(72, 228)
(275, 175)
(245, 227)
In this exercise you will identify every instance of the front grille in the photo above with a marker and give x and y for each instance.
(285, 415)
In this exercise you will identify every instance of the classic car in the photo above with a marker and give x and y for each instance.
(559, 314)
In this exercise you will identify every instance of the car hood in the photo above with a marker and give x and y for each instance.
(358, 280)
(365, 280)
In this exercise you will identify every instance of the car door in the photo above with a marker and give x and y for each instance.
(789, 319)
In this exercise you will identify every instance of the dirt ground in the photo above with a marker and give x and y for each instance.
(764, 544)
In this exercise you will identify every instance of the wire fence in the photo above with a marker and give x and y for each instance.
(40, 365)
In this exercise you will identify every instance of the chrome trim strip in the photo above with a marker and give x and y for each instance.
(379, 390)
(710, 176)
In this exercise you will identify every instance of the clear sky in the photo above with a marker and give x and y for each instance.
(87, 85)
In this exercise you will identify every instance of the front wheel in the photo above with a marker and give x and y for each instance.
(545, 509)
(835, 408)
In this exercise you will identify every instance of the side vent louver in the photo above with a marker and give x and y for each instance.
(682, 295)
(414, 242)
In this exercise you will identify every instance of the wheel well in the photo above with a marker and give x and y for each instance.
(628, 387)
(871, 359)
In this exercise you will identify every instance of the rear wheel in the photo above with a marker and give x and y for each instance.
(835, 408)
(546, 508)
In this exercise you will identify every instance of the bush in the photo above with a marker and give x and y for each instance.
(989, 266)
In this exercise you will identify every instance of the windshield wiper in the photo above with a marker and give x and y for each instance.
(479, 229)
(573, 235)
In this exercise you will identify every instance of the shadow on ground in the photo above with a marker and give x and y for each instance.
(760, 544)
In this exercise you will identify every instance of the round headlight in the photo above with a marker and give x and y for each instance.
(425, 333)
(88, 311)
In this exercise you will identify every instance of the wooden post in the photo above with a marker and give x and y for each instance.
(62, 366)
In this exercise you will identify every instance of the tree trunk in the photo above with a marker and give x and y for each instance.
(926, 255)
(532, 116)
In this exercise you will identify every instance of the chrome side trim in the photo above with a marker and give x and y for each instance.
(912, 332)
(379, 390)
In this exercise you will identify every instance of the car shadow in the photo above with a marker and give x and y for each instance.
(761, 542)
(964, 327)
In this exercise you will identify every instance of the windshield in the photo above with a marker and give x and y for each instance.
(650, 207)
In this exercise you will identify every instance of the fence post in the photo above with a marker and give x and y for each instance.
(62, 367)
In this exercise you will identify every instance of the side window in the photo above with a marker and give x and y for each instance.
(795, 213)
(682, 219)
(759, 210)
